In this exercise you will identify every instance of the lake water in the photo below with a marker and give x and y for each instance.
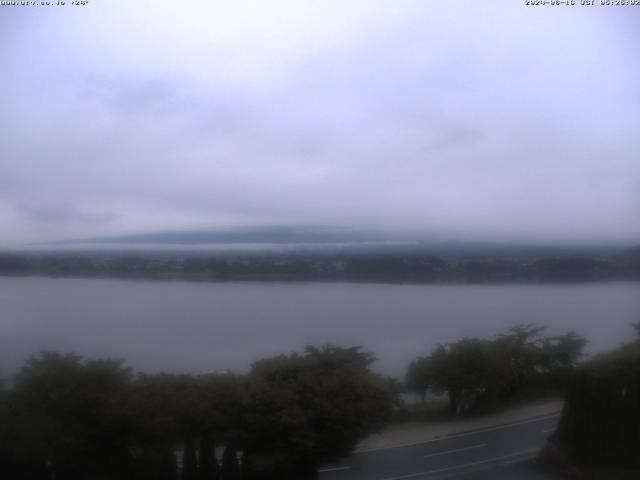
(183, 326)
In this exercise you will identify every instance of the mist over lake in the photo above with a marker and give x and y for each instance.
(195, 327)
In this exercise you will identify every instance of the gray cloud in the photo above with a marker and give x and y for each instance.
(458, 120)
(134, 95)
(47, 214)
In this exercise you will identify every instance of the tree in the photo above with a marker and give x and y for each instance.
(209, 469)
(220, 407)
(428, 373)
(71, 416)
(521, 350)
(303, 410)
(600, 423)
(562, 353)
(169, 412)
(230, 467)
(477, 373)
(467, 370)
(189, 460)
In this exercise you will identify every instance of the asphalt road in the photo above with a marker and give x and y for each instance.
(503, 452)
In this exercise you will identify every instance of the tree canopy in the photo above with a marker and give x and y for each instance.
(68, 418)
(311, 408)
(476, 373)
(600, 423)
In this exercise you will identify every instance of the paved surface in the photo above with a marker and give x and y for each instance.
(500, 452)
(414, 432)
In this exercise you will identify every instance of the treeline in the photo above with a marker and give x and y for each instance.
(69, 419)
(65, 418)
(479, 374)
(362, 267)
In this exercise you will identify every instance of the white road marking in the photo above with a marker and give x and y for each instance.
(456, 450)
(459, 435)
(333, 469)
(466, 465)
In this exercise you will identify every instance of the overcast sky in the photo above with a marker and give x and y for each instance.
(465, 120)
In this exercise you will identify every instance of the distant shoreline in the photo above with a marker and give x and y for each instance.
(321, 280)
(387, 267)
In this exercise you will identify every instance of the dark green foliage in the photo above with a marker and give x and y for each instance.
(209, 469)
(189, 460)
(521, 352)
(219, 406)
(560, 355)
(230, 466)
(155, 464)
(70, 419)
(306, 410)
(479, 373)
(157, 404)
(600, 425)
(466, 370)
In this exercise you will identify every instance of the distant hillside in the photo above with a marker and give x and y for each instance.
(633, 252)
(266, 235)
